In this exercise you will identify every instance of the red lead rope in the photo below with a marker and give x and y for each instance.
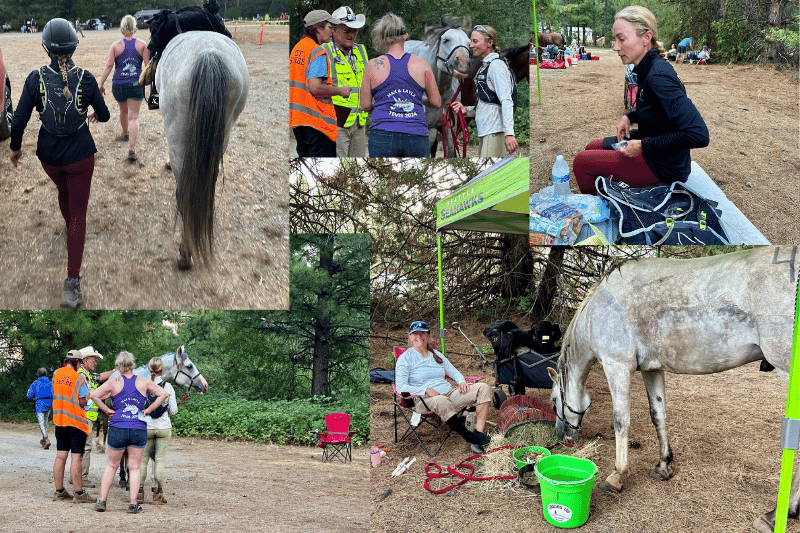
(456, 470)
(182, 399)
(455, 125)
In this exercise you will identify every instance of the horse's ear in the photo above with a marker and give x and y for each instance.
(467, 24)
(181, 352)
(552, 373)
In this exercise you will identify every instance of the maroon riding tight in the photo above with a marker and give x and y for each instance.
(595, 161)
(73, 182)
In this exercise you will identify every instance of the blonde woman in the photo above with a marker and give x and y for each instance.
(126, 58)
(126, 429)
(494, 113)
(669, 123)
(159, 432)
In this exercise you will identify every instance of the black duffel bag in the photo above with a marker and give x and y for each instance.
(663, 214)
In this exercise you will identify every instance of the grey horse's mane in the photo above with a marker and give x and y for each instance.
(433, 34)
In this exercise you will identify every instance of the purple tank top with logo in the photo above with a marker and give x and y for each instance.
(127, 404)
(128, 64)
(398, 101)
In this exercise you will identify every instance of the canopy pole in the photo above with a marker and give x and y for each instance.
(442, 330)
(790, 426)
(536, 45)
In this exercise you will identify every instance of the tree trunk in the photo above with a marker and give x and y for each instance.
(774, 50)
(320, 377)
(548, 287)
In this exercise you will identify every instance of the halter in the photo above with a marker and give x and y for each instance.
(446, 60)
(182, 371)
(561, 417)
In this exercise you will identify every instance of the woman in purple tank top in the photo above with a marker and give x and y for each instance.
(392, 89)
(126, 58)
(128, 423)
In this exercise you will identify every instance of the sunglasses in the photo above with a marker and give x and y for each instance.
(480, 28)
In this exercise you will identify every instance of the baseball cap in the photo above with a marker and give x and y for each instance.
(418, 326)
(318, 16)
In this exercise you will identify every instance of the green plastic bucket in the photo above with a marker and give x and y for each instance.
(522, 451)
(567, 484)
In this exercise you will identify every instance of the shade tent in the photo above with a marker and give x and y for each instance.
(495, 201)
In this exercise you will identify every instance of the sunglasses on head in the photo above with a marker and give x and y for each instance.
(480, 28)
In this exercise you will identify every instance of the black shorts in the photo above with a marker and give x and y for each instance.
(681, 49)
(70, 438)
(127, 91)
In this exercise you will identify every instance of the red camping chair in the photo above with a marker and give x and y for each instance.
(404, 406)
(335, 440)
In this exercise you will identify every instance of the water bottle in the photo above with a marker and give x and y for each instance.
(560, 177)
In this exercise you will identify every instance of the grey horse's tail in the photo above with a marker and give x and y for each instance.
(203, 150)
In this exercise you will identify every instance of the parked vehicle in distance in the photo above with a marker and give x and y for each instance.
(94, 24)
(5, 97)
(7, 27)
(142, 17)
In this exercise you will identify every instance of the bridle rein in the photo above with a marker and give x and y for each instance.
(561, 417)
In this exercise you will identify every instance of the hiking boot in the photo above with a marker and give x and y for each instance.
(100, 506)
(158, 497)
(140, 496)
(41, 442)
(134, 508)
(46, 445)
(87, 484)
(82, 498)
(476, 448)
(131, 155)
(71, 297)
(63, 495)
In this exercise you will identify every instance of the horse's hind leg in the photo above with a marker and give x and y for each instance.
(654, 383)
(766, 523)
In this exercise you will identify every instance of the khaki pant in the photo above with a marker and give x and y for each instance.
(450, 403)
(493, 145)
(352, 141)
(87, 451)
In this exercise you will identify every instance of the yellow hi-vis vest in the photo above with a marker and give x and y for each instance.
(91, 407)
(346, 77)
(67, 410)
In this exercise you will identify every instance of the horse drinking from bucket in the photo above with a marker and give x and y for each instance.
(203, 83)
(695, 316)
(446, 49)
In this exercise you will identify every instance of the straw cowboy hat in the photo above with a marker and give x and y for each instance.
(83, 353)
(345, 15)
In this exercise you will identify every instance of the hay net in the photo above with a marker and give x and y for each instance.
(518, 409)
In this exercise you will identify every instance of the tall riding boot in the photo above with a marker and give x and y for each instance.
(475, 438)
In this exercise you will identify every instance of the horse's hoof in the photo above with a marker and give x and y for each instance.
(762, 525)
(661, 475)
(184, 263)
(605, 487)
(168, 165)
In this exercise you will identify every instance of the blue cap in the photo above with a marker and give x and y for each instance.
(418, 326)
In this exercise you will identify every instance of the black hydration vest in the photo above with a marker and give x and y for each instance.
(61, 117)
(482, 90)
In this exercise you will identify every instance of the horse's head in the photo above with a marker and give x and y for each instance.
(449, 43)
(570, 401)
(179, 367)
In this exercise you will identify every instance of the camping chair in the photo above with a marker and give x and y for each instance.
(404, 406)
(335, 440)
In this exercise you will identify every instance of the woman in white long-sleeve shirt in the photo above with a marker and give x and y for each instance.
(159, 432)
(494, 112)
(421, 371)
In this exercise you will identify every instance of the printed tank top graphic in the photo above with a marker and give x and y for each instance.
(398, 101)
(127, 405)
(128, 64)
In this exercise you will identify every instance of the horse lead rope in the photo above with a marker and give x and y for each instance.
(454, 130)
(454, 470)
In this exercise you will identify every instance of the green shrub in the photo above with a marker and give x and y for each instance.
(278, 422)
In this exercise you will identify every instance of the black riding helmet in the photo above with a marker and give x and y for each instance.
(59, 37)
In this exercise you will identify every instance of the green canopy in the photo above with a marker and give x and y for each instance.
(497, 201)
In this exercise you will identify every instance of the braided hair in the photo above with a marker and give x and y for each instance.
(62, 66)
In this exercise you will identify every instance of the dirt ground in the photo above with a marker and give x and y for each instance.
(751, 113)
(724, 430)
(132, 239)
(210, 486)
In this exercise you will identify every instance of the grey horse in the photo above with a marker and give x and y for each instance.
(203, 83)
(694, 316)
